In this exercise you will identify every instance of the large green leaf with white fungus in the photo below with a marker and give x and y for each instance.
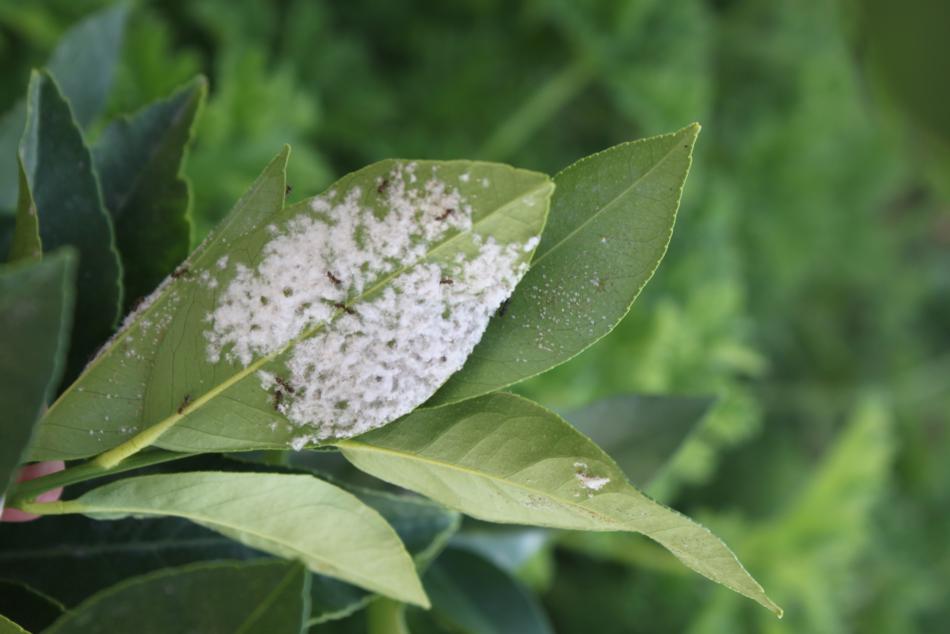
(292, 516)
(611, 220)
(139, 160)
(36, 300)
(640, 432)
(472, 596)
(59, 172)
(259, 597)
(159, 372)
(502, 458)
(83, 64)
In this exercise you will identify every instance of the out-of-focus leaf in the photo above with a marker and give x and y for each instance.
(83, 64)
(611, 219)
(471, 595)
(63, 185)
(28, 607)
(442, 242)
(84, 60)
(640, 432)
(507, 547)
(139, 160)
(292, 516)
(259, 597)
(504, 459)
(36, 301)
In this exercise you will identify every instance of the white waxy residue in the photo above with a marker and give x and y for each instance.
(357, 362)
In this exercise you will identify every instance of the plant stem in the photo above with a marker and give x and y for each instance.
(25, 492)
(385, 616)
(51, 508)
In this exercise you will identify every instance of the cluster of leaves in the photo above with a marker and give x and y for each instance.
(802, 206)
(99, 225)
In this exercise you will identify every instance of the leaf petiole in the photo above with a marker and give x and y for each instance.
(23, 493)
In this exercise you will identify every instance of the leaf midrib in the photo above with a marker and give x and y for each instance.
(636, 182)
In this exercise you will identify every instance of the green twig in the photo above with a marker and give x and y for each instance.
(26, 492)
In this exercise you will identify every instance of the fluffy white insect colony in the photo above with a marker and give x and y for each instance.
(588, 480)
(356, 364)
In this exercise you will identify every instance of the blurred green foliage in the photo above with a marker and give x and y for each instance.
(807, 284)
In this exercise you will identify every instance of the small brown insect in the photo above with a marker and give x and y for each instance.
(502, 309)
(184, 403)
(333, 278)
(344, 307)
(284, 384)
(289, 188)
(137, 303)
(381, 188)
(445, 214)
(179, 272)
(278, 397)
(446, 280)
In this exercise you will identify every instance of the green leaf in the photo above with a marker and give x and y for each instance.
(9, 627)
(292, 516)
(641, 433)
(323, 319)
(36, 301)
(25, 242)
(62, 183)
(611, 219)
(139, 161)
(85, 59)
(423, 526)
(469, 594)
(83, 64)
(28, 607)
(70, 557)
(502, 458)
(261, 597)
(65, 430)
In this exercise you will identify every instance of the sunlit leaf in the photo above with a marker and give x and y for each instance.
(502, 458)
(292, 516)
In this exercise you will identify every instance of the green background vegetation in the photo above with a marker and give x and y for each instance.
(807, 285)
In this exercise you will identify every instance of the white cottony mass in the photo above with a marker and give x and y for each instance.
(364, 304)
